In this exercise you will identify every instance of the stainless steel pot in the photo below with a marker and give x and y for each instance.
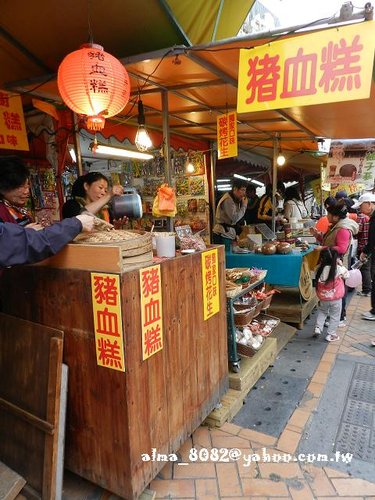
(128, 204)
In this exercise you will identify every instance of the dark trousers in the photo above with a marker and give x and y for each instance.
(343, 305)
(368, 275)
(373, 285)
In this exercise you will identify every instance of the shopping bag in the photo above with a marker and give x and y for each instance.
(167, 198)
(164, 204)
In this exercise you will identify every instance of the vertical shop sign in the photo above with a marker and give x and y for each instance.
(210, 282)
(151, 311)
(227, 135)
(326, 66)
(12, 123)
(106, 300)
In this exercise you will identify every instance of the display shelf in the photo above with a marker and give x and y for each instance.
(234, 359)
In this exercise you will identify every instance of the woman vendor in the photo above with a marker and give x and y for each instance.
(339, 237)
(229, 211)
(293, 204)
(14, 192)
(90, 192)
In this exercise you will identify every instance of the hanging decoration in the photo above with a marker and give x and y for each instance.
(93, 83)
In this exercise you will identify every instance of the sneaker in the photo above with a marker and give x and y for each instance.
(317, 331)
(326, 323)
(364, 294)
(332, 337)
(369, 316)
(373, 343)
(342, 323)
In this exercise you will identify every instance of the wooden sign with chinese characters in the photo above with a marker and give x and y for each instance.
(326, 66)
(210, 281)
(227, 135)
(106, 301)
(151, 311)
(12, 124)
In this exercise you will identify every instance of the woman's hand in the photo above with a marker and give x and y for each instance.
(314, 232)
(119, 223)
(117, 190)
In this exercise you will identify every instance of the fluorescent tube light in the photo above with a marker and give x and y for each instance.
(72, 153)
(120, 152)
(240, 177)
(222, 180)
(258, 183)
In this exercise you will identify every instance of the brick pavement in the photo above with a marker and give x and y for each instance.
(210, 480)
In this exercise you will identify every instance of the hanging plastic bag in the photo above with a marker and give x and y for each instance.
(164, 202)
(167, 198)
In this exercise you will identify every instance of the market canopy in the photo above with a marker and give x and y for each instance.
(201, 82)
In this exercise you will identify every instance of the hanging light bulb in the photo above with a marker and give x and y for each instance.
(190, 168)
(142, 139)
(280, 160)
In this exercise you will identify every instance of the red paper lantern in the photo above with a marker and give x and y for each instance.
(93, 83)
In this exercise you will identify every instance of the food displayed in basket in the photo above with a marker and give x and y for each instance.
(244, 277)
(251, 337)
(247, 338)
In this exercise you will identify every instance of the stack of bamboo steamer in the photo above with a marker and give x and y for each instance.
(136, 246)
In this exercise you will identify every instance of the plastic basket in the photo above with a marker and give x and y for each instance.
(266, 302)
(246, 350)
(245, 316)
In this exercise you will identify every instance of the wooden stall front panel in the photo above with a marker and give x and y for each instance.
(30, 378)
(115, 417)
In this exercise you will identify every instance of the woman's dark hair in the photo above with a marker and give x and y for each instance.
(269, 189)
(281, 188)
(13, 173)
(328, 257)
(78, 188)
(292, 193)
(239, 183)
(340, 209)
(330, 201)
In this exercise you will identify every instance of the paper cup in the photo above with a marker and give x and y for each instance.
(165, 244)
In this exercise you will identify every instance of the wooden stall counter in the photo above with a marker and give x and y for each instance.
(115, 417)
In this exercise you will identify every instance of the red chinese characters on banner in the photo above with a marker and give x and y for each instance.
(151, 311)
(107, 320)
(210, 283)
(223, 141)
(339, 64)
(227, 135)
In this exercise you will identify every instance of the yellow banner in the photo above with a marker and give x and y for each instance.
(210, 282)
(326, 66)
(106, 302)
(12, 123)
(151, 311)
(227, 135)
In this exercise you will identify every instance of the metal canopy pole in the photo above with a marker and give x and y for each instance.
(274, 180)
(166, 147)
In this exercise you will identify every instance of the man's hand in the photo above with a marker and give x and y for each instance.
(35, 226)
(362, 257)
(87, 222)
